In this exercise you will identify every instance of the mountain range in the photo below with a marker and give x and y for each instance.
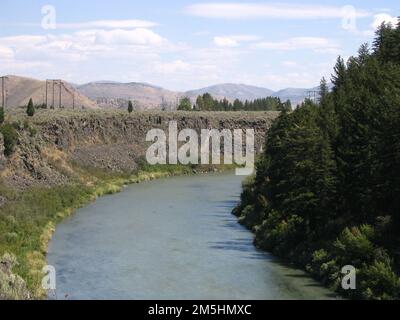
(109, 94)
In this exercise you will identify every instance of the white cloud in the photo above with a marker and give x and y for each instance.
(6, 53)
(108, 24)
(22, 40)
(383, 17)
(173, 67)
(139, 36)
(257, 10)
(234, 40)
(289, 63)
(299, 43)
(225, 42)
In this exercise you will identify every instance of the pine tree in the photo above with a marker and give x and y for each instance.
(130, 107)
(30, 110)
(185, 104)
(323, 90)
(199, 103)
(1, 115)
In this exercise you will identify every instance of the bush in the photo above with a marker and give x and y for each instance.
(250, 217)
(379, 282)
(323, 267)
(354, 246)
(280, 235)
(10, 138)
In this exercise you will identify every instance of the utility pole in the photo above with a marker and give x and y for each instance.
(52, 105)
(70, 92)
(3, 92)
(59, 85)
(54, 82)
(46, 93)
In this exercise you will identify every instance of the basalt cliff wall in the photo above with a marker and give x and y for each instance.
(52, 142)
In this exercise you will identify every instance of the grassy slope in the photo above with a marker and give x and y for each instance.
(28, 219)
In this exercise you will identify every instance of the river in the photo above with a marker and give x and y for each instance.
(169, 239)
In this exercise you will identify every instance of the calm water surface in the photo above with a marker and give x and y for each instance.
(169, 239)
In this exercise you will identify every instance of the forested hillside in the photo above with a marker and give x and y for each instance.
(327, 189)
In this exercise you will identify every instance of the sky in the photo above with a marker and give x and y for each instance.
(183, 45)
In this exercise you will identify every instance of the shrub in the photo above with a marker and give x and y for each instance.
(354, 245)
(323, 267)
(250, 217)
(280, 235)
(10, 138)
(378, 281)
(30, 110)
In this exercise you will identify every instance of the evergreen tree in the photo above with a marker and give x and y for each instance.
(199, 103)
(1, 115)
(185, 104)
(130, 107)
(208, 102)
(30, 110)
(323, 90)
(327, 187)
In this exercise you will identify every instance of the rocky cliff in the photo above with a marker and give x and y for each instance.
(54, 141)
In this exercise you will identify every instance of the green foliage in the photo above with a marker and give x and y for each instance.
(280, 235)
(1, 115)
(25, 217)
(327, 183)
(354, 246)
(379, 282)
(130, 107)
(10, 136)
(185, 104)
(207, 103)
(30, 109)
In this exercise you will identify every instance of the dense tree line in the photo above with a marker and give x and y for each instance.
(207, 102)
(327, 189)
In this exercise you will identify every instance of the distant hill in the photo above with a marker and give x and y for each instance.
(245, 92)
(110, 94)
(295, 95)
(232, 91)
(21, 89)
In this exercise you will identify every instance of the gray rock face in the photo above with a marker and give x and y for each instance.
(113, 141)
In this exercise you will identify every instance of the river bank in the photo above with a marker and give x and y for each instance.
(171, 238)
(28, 220)
(59, 160)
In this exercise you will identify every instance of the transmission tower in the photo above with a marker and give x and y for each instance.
(54, 82)
(72, 93)
(312, 95)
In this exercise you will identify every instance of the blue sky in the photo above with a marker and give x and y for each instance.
(182, 45)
